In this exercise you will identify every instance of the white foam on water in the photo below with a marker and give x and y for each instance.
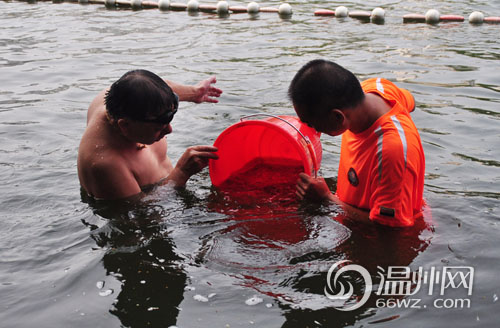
(254, 300)
(106, 292)
(200, 298)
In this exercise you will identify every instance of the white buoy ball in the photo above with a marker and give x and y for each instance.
(136, 4)
(341, 11)
(163, 4)
(432, 16)
(476, 17)
(222, 7)
(193, 5)
(285, 9)
(253, 8)
(378, 14)
(110, 3)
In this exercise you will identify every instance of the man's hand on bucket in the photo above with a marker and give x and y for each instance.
(314, 189)
(193, 160)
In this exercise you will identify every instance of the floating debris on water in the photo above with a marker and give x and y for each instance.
(99, 284)
(254, 300)
(153, 308)
(106, 292)
(189, 288)
(117, 275)
(211, 295)
(269, 305)
(200, 298)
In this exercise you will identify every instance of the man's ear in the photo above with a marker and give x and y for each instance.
(123, 124)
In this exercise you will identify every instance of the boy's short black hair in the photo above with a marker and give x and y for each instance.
(139, 95)
(321, 85)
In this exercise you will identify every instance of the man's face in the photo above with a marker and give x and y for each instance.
(145, 132)
(165, 115)
(152, 129)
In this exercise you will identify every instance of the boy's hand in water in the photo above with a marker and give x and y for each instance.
(314, 189)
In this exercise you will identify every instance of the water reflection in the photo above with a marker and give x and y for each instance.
(272, 244)
(371, 247)
(142, 257)
(283, 249)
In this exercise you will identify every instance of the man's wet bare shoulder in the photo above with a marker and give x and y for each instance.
(104, 157)
(97, 106)
(96, 159)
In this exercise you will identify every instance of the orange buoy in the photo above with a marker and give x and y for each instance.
(207, 8)
(238, 9)
(150, 4)
(178, 6)
(451, 18)
(413, 18)
(360, 14)
(269, 10)
(324, 12)
(492, 20)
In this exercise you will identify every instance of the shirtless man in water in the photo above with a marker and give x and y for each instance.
(123, 148)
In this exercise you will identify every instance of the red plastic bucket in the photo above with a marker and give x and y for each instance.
(280, 140)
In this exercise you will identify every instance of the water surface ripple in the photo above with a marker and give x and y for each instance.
(191, 258)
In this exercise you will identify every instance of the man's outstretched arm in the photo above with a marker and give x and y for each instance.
(204, 91)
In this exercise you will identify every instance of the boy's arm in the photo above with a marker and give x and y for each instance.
(317, 190)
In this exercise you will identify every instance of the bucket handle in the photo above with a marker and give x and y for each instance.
(308, 142)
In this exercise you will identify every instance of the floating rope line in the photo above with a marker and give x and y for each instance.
(222, 8)
(432, 16)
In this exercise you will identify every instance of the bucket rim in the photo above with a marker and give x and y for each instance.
(281, 118)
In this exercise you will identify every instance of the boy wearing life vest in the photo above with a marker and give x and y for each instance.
(382, 163)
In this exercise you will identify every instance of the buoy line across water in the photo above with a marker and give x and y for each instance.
(223, 8)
